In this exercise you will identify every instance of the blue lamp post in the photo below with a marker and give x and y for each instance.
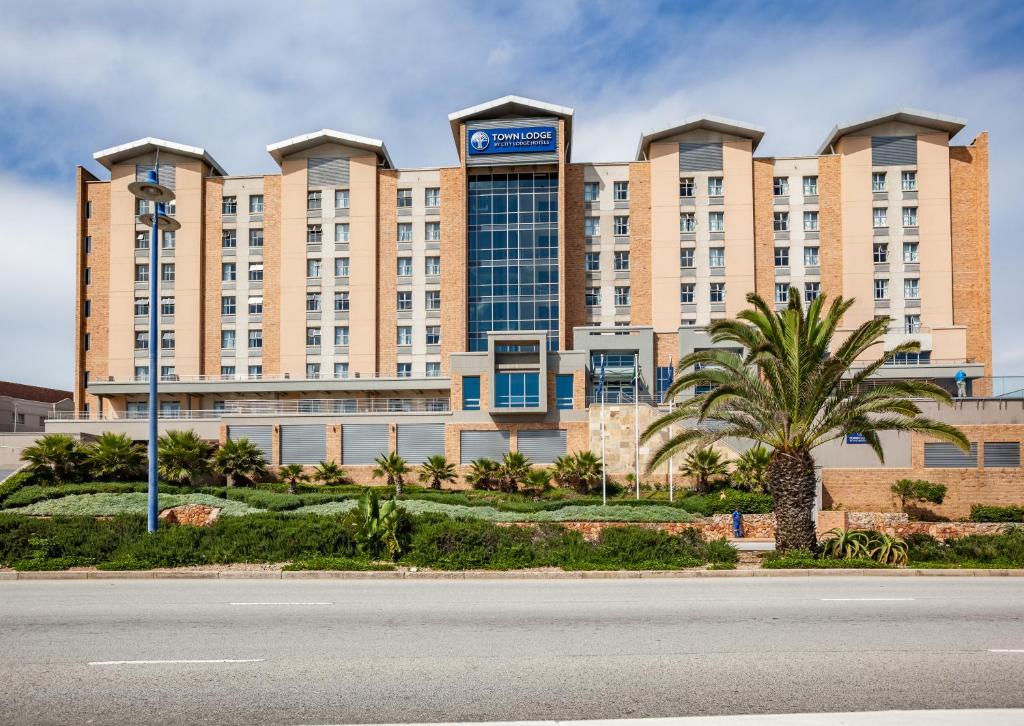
(152, 191)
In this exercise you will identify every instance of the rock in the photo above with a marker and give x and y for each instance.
(194, 515)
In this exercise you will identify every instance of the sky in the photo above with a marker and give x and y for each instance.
(232, 77)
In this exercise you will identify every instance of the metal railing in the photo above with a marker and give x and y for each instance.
(243, 377)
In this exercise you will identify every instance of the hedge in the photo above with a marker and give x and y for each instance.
(989, 513)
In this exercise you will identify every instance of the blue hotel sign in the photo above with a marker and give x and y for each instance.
(512, 140)
(856, 439)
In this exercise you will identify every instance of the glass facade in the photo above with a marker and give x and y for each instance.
(517, 390)
(513, 255)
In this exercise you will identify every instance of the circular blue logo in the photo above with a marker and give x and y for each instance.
(480, 140)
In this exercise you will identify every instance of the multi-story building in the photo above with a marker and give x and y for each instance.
(25, 409)
(344, 307)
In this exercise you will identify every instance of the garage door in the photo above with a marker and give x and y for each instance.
(483, 445)
(542, 447)
(303, 443)
(261, 436)
(363, 443)
(418, 442)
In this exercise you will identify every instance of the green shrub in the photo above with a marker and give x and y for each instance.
(636, 548)
(727, 501)
(462, 544)
(348, 564)
(106, 504)
(15, 482)
(990, 513)
(85, 539)
(805, 560)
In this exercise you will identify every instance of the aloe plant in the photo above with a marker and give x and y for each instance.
(888, 549)
(845, 544)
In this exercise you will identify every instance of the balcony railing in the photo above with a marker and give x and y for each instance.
(243, 377)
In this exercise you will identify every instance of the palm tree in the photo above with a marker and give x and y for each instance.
(537, 480)
(588, 470)
(239, 459)
(293, 474)
(793, 391)
(565, 471)
(482, 474)
(115, 457)
(182, 456)
(330, 473)
(436, 470)
(703, 464)
(752, 468)
(513, 469)
(393, 468)
(57, 458)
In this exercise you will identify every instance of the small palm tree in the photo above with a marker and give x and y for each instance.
(436, 470)
(293, 474)
(703, 464)
(182, 456)
(565, 471)
(393, 468)
(538, 480)
(482, 474)
(330, 473)
(752, 468)
(513, 469)
(57, 458)
(239, 459)
(115, 457)
(793, 390)
(588, 470)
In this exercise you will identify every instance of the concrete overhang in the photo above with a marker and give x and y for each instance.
(116, 154)
(298, 385)
(712, 123)
(325, 136)
(950, 124)
(510, 106)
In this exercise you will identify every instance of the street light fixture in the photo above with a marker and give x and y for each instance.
(151, 190)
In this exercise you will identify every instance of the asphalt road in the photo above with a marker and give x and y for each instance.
(351, 651)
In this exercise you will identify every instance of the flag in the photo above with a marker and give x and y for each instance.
(600, 380)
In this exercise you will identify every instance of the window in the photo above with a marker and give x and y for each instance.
(811, 291)
(404, 335)
(878, 181)
(404, 198)
(341, 335)
(229, 205)
(881, 289)
(341, 267)
(341, 232)
(590, 191)
(432, 266)
(141, 206)
(312, 302)
(433, 369)
(312, 337)
(716, 256)
(911, 289)
(432, 231)
(341, 199)
(227, 339)
(141, 272)
(878, 216)
(781, 292)
(312, 371)
(592, 261)
(716, 221)
(782, 256)
(405, 232)
(686, 187)
(255, 204)
(780, 186)
(621, 261)
(404, 266)
(227, 305)
(314, 199)
(780, 221)
(141, 340)
(341, 303)
(226, 372)
(404, 370)
(141, 306)
(621, 191)
(341, 370)
(880, 252)
(169, 409)
(908, 180)
(167, 306)
(621, 226)
(686, 258)
(228, 271)
(433, 300)
(167, 272)
(255, 338)
(142, 240)
(167, 340)
(313, 267)
(717, 292)
(810, 221)
(912, 323)
(563, 391)
(471, 393)
(591, 226)
(255, 371)
(593, 297)
(229, 239)
(168, 373)
(517, 390)
(622, 296)
(88, 210)
(141, 374)
(910, 216)
(256, 237)
(255, 272)
(255, 305)
(686, 293)
(432, 197)
(910, 251)
(715, 186)
(167, 240)
(87, 308)
(433, 335)
(314, 234)
(810, 186)
(811, 257)
(87, 276)
(687, 222)
(404, 301)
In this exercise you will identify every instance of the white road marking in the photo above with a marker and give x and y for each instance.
(161, 662)
(1006, 650)
(282, 603)
(866, 599)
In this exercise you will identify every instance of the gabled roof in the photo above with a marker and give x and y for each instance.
(950, 124)
(25, 392)
(307, 141)
(115, 154)
(510, 106)
(714, 123)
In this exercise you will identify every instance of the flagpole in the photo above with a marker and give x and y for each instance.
(604, 470)
(636, 419)
(671, 487)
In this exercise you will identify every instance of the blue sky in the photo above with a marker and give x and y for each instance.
(235, 76)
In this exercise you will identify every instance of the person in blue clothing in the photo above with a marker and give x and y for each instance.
(961, 384)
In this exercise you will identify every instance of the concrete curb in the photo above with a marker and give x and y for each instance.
(488, 575)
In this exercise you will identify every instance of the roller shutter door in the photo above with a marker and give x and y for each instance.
(327, 172)
(1004, 454)
(261, 436)
(700, 157)
(483, 444)
(363, 443)
(893, 150)
(947, 456)
(418, 442)
(303, 443)
(166, 176)
(542, 447)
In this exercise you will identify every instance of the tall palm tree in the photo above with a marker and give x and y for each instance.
(115, 457)
(330, 473)
(293, 474)
(239, 459)
(482, 474)
(57, 458)
(793, 390)
(751, 470)
(182, 456)
(513, 469)
(436, 470)
(393, 468)
(703, 464)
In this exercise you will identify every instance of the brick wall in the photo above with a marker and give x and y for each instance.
(453, 263)
(764, 236)
(95, 360)
(387, 273)
(640, 277)
(271, 274)
(830, 224)
(572, 273)
(214, 195)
